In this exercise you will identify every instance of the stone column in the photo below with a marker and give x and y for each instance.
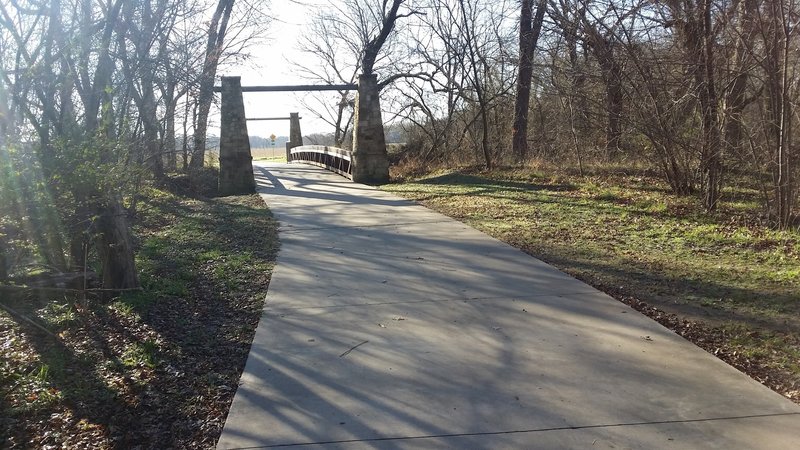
(235, 160)
(370, 161)
(295, 135)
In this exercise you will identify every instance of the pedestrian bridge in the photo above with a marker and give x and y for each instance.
(335, 159)
(366, 163)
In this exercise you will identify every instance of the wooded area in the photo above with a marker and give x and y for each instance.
(701, 91)
(99, 97)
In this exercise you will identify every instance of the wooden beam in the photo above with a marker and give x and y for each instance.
(296, 88)
(271, 118)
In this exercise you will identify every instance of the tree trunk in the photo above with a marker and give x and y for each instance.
(153, 152)
(697, 37)
(169, 146)
(782, 113)
(774, 65)
(216, 38)
(612, 78)
(529, 31)
(735, 100)
(339, 132)
(103, 72)
(580, 115)
(712, 160)
(3, 131)
(3, 262)
(487, 153)
(373, 47)
(611, 73)
(115, 247)
(185, 141)
(79, 233)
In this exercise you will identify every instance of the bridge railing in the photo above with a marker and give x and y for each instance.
(332, 158)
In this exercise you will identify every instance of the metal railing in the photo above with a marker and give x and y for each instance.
(332, 158)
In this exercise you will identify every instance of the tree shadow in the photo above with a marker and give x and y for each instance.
(194, 323)
(72, 374)
(718, 302)
(490, 185)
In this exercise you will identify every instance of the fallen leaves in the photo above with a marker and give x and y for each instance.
(767, 368)
(157, 372)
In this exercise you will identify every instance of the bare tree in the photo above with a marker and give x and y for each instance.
(336, 53)
(692, 21)
(430, 105)
(781, 80)
(233, 28)
(465, 78)
(217, 29)
(351, 38)
(92, 93)
(529, 30)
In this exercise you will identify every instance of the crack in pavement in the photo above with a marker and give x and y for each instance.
(532, 430)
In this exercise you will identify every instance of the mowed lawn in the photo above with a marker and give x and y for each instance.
(722, 280)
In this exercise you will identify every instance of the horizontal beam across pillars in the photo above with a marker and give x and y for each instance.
(271, 118)
(296, 88)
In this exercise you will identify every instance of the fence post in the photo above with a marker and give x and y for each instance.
(295, 135)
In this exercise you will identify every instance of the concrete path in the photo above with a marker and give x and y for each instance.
(390, 326)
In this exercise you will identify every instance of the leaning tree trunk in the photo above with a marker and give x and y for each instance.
(216, 37)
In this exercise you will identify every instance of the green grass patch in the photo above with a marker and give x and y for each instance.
(141, 354)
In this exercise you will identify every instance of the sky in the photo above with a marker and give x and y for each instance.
(270, 66)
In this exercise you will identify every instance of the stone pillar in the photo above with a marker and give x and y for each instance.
(295, 135)
(370, 161)
(235, 160)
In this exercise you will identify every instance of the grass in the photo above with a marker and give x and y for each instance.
(151, 369)
(141, 354)
(274, 154)
(630, 237)
(281, 158)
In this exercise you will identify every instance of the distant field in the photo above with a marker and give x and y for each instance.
(259, 154)
(269, 153)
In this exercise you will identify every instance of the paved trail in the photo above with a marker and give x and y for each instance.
(390, 326)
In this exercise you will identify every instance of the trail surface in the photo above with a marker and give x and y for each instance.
(389, 326)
